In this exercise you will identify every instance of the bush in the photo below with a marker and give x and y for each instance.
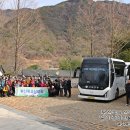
(75, 63)
(125, 55)
(68, 63)
(34, 67)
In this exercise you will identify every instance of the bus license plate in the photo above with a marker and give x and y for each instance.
(90, 97)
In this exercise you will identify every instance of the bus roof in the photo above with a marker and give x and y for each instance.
(113, 59)
(127, 63)
(103, 59)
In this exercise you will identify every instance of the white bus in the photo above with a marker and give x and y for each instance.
(102, 78)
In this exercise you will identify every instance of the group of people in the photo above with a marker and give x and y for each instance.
(61, 87)
(58, 87)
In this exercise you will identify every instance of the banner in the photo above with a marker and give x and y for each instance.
(31, 91)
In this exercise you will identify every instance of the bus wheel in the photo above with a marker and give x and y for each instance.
(116, 94)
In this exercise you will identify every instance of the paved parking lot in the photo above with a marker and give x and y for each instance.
(74, 113)
(11, 119)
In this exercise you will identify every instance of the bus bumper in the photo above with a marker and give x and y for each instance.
(93, 97)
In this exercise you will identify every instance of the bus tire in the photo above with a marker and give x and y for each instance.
(116, 94)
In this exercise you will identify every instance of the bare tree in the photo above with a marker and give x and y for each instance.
(3, 43)
(119, 29)
(2, 18)
(23, 28)
(71, 40)
(105, 25)
(114, 27)
(87, 18)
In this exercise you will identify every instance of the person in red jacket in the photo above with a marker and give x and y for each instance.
(42, 84)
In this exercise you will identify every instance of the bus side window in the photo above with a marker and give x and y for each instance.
(117, 71)
(112, 76)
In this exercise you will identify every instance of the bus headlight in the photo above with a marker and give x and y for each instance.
(86, 86)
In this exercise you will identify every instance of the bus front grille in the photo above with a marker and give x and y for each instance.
(92, 95)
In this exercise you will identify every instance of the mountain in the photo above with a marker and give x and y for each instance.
(78, 23)
(69, 29)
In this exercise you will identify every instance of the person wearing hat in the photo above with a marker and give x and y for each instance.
(127, 92)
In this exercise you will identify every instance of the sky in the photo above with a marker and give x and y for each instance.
(54, 2)
(40, 3)
(49, 2)
(32, 3)
(126, 1)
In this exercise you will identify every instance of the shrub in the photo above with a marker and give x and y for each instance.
(68, 63)
(125, 55)
(34, 67)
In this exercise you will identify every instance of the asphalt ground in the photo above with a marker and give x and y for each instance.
(73, 113)
(12, 119)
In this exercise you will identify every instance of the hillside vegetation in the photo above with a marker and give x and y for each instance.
(71, 29)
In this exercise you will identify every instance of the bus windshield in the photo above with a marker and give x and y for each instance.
(94, 75)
